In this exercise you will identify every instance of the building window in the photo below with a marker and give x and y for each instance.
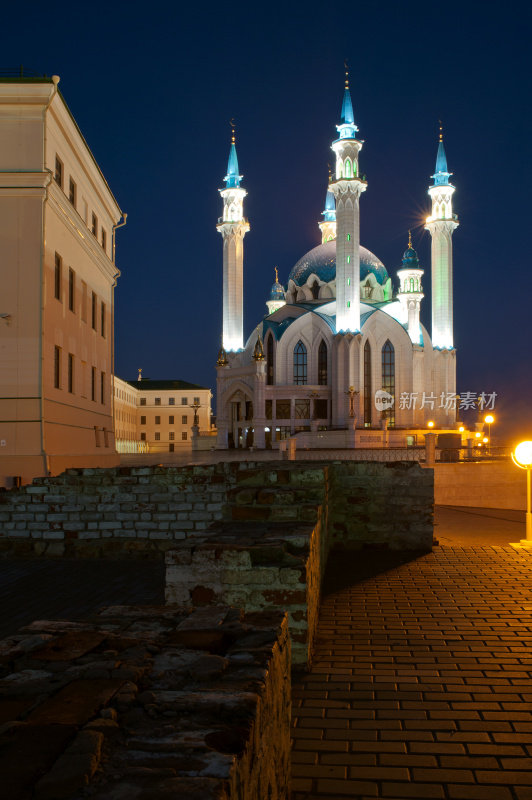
(58, 175)
(72, 192)
(142, 437)
(58, 276)
(320, 409)
(283, 432)
(322, 364)
(184, 436)
(102, 319)
(93, 383)
(157, 420)
(171, 436)
(171, 401)
(184, 401)
(282, 409)
(302, 409)
(300, 364)
(367, 385)
(170, 420)
(143, 420)
(157, 401)
(171, 448)
(388, 379)
(104, 240)
(94, 224)
(157, 437)
(94, 307)
(57, 367)
(71, 288)
(83, 301)
(71, 373)
(268, 408)
(269, 360)
(102, 388)
(196, 401)
(184, 419)
(142, 401)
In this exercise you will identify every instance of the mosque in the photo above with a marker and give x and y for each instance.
(341, 358)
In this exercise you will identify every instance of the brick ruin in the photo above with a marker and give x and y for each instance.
(249, 537)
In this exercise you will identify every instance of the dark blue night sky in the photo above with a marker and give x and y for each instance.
(153, 87)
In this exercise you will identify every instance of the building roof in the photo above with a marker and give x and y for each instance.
(147, 385)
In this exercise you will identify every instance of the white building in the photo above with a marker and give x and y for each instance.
(340, 349)
(161, 416)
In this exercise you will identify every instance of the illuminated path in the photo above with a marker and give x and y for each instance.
(422, 680)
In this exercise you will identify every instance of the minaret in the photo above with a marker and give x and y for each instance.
(328, 225)
(410, 292)
(441, 225)
(347, 188)
(233, 227)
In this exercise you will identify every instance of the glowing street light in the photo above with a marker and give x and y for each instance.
(489, 419)
(485, 440)
(522, 458)
(430, 424)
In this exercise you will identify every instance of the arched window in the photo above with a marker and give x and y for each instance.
(269, 360)
(388, 378)
(347, 168)
(411, 284)
(315, 289)
(300, 364)
(367, 385)
(322, 364)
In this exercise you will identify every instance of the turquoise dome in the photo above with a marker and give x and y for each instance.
(321, 261)
(277, 292)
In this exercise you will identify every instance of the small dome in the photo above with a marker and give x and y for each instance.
(277, 292)
(321, 261)
(410, 259)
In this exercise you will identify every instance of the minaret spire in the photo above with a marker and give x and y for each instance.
(233, 227)
(347, 187)
(441, 224)
(328, 225)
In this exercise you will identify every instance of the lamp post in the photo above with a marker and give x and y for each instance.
(522, 458)
(489, 419)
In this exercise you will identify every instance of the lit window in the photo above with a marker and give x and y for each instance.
(349, 304)
(348, 259)
(367, 385)
(348, 237)
(349, 281)
(388, 377)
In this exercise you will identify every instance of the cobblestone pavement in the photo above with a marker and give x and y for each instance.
(71, 589)
(421, 685)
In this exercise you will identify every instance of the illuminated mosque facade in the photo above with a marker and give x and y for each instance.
(341, 357)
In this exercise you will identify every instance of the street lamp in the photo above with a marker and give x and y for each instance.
(489, 419)
(522, 458)
(430, 424)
